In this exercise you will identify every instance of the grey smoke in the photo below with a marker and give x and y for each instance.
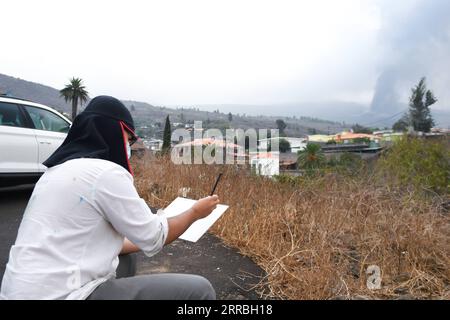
(416, 39)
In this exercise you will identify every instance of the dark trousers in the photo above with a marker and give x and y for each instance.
(127, 266)
(164, 286)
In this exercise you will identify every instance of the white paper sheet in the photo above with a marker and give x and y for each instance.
(199, 227)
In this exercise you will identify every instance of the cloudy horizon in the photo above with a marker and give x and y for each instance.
(234, 52)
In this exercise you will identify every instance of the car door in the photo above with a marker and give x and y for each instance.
(50, 130)
(18, 143)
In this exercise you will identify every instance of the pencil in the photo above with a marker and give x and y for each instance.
(215, 184)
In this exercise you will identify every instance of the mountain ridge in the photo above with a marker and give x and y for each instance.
(301, 118)
(147, 114)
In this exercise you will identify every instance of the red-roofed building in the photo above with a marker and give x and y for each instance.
(350, 136)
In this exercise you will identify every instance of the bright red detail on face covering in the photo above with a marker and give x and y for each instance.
(125, 139)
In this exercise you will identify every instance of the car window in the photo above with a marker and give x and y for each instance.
(10, 115)
(46, 120)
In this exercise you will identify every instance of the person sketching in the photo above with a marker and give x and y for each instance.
(85, 218)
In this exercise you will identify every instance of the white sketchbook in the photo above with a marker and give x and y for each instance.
(199, 227)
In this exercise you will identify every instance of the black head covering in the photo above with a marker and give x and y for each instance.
(97, 132)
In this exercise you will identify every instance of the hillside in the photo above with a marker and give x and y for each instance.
(153, 117)
(347, 112)
(145, 114)
(32, 91)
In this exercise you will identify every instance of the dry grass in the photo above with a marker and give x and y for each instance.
(316, 239)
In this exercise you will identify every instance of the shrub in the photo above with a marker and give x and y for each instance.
(361, 140)
(351, 161)
(418, 163)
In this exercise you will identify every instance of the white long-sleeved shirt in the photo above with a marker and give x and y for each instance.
(73, 230)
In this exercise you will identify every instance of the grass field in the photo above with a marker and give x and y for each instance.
(317, 236)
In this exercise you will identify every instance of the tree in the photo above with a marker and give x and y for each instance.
(419, 107)
(312, 157)
(361, 129)
(230, 117)
(402, 124)
(284, 146)
(166, 136)
(281, 125)
(312, 131)
(75, 92)
(132, 108)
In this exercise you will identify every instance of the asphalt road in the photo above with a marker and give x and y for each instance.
(232, 275)
(12, 205)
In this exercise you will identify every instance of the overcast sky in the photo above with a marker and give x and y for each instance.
(230, 52)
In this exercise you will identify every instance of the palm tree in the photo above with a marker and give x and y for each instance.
(311, 157)
(75, 92)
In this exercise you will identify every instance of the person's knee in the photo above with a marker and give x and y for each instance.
(203, 289)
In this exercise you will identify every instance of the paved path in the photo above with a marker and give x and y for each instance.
(231, 274)
(12, 206)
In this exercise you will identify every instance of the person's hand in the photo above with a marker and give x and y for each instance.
(203, 207)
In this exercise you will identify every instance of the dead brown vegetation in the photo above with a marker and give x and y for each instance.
(316, 238)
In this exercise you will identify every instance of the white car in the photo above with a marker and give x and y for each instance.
(29, 134)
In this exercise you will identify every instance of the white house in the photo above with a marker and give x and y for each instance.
(266, 163)
(154, 144)
(230, 149)
(297, 144)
